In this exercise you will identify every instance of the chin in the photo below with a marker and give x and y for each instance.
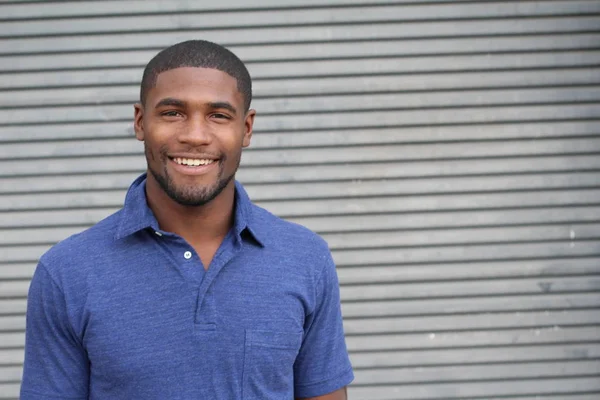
(196, 195)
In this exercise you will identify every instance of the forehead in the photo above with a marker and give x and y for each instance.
(195, 84)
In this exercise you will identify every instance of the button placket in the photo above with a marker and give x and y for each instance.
(174, 247)
(226, 252)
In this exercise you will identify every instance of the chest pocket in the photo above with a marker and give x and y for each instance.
(269, 364)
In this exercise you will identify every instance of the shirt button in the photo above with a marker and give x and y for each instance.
(158, 233)
(187, 255)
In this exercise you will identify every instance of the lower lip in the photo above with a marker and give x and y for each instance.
(188, 170)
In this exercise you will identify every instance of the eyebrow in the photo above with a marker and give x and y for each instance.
(223, 105)
(169, 101)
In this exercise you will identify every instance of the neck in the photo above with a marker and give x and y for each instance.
(196, 224)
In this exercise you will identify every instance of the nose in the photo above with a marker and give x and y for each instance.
(196, 133)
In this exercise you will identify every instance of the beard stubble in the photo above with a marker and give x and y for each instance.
(190, 196)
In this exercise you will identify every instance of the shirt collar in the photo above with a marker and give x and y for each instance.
(136, 215)
(243, 220)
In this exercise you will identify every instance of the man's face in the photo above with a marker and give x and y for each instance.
(194, 127)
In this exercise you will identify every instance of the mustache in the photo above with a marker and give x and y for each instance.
(164, 152)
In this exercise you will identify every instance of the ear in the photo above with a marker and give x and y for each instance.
(138, 121)
(248, 125)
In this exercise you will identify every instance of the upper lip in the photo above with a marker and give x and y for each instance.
(194, 156)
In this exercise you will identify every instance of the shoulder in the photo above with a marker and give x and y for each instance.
(303, 255)
(301, 250)
(290, 236)
(74, 254)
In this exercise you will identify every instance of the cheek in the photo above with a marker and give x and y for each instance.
(155, 151)
(159, 135)
(230, 138)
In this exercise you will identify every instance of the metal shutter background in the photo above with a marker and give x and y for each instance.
(448, 151)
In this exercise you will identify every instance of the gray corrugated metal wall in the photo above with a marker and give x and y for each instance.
(447, 150)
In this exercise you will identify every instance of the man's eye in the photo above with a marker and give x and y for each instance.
(171, 114)
(220, 116)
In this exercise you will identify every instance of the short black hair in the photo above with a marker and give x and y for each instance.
(200, 54)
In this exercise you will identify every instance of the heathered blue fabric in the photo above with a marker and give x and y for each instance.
(119, 312)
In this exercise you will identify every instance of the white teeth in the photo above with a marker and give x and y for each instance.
(193, 162)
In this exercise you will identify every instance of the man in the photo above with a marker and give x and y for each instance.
(190, 291)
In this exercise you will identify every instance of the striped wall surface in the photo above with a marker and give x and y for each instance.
(448, 151)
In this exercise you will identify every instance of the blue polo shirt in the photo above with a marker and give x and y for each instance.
(125, 310)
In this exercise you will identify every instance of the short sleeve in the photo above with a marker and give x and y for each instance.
(56, 365)
(322, 365)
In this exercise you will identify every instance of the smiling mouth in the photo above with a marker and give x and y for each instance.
(193, 162)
